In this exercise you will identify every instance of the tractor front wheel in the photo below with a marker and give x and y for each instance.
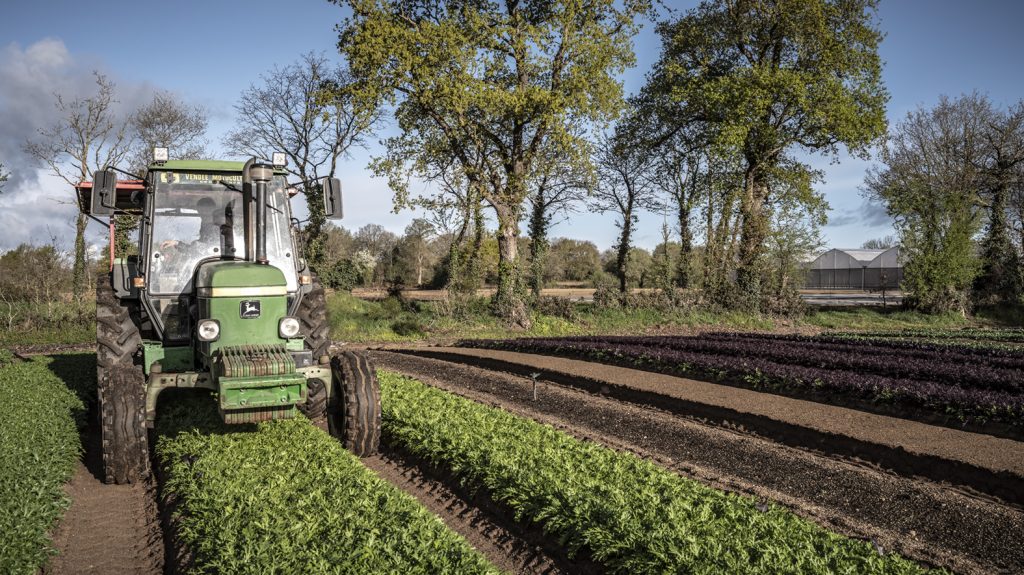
(354, 411)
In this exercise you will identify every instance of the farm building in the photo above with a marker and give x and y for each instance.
(856, 269)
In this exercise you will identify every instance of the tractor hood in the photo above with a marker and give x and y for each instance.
(239, 279)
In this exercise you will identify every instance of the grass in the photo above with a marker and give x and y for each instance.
(284, 497)
(878, 319)
(58, 322)
(627, 513)
(356, 320)
(39, 447)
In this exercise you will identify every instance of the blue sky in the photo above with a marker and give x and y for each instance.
(208, 52)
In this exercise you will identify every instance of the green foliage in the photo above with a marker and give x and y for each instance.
(488, 88)
(630, 515)
(755, 80)
(928, 183)
(288, 498)
(39, 449)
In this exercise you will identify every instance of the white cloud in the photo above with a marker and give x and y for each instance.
(34, 206)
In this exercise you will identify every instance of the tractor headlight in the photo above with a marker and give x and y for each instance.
(288, 328)
(208, 330)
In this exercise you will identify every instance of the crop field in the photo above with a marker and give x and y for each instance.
(950, 381)
(39, 448)
(555, 480)
(629, 515)
(284, 497)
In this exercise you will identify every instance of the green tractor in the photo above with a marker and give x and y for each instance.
(219, 297)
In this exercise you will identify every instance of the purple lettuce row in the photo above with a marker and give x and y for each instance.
(993, 357)
(848, 358)
(896, 345)
(944, 399)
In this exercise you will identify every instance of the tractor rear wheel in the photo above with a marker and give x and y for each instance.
(120, 390)
(354, 413)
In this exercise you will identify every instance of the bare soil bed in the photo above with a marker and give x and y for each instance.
(922, 519)
(108, 528)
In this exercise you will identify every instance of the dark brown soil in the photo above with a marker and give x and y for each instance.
(986, 464)
(921, 519)
(511, 546)
(108, 528)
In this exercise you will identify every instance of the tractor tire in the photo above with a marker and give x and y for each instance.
(122, 403)
(315, 408)
(354, 414)
(313, 324)
(120, 390)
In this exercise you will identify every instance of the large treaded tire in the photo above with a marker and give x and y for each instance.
(120, 390)
(354, 415)
(315, 407)
(313, 323)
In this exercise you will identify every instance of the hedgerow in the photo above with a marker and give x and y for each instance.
(284, 497)
(627, 513)
(39, 448)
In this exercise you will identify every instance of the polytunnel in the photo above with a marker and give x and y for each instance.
(867, 269)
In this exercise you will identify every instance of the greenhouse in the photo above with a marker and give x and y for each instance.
(856, 269)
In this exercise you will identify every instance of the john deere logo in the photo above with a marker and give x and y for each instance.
(250, 309)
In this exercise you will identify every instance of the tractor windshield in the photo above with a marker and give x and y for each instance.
(195, 220)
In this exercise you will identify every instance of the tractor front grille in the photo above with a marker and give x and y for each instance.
(256, 360)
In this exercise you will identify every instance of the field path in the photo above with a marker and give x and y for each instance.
(918, 518)
(108, 528)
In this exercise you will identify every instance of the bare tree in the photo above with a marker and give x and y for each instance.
(88, 137)
(3, 176)
(882, 243)
(558, 188)
(303, 111)
(625, 189)
(168, 122)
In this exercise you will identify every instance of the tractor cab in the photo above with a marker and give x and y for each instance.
(217, 297)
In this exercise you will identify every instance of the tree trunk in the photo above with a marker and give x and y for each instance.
(753, 233)
(622, 258)
(538, 231)
(509, 303)
(683, 266)
(313, 233)
(80, 266)
(998, 282)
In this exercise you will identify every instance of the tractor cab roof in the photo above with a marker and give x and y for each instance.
(222, 166)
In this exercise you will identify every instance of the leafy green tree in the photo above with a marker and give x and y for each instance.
(488, 86)
(572, 260)
(768, 79)
(928, 181)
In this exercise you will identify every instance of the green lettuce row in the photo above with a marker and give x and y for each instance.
(284, 497)
(39, 449)
(628, 513)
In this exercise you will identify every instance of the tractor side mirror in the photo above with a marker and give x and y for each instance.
(104, 193)
(332, 197)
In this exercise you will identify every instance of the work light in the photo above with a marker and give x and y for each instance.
(288, 328)
(208, 330)
(279, 160)
(160, 154)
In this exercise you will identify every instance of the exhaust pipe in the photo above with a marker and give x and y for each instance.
(260, 174)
